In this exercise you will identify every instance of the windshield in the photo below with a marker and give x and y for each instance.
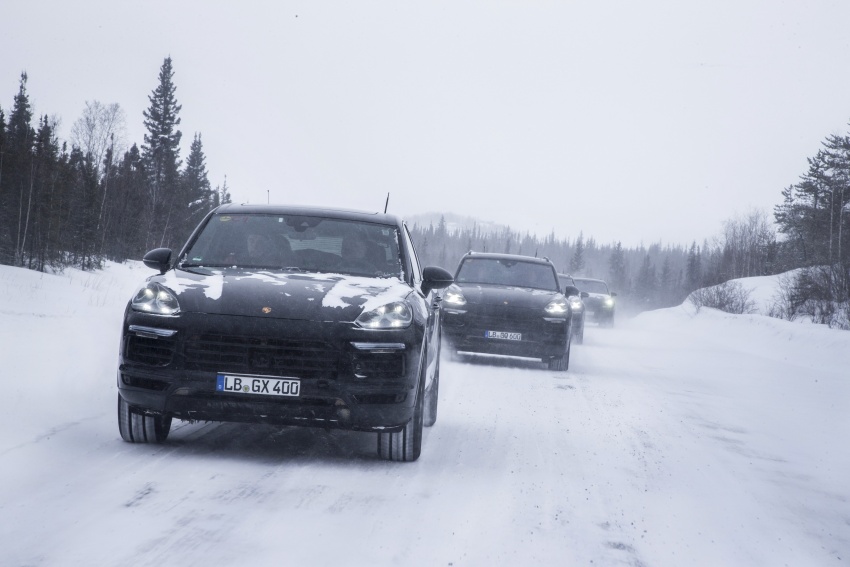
(507, 272)
(592, 286)
(297, 243)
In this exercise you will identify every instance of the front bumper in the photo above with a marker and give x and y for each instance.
(350, 377)
(542, 337)
(601, 312)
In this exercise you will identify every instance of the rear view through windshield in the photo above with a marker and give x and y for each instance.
(507, 272)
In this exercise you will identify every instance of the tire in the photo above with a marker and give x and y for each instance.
(579, 334)
(406, 444)
(137, 427)
(561, 363)
(432, 398)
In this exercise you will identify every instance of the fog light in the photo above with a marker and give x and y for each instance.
(342, 411)
(359, 370)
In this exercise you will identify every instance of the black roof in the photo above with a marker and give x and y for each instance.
(514, 257)
(344, 214)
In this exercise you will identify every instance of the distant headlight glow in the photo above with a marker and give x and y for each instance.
(454, 296)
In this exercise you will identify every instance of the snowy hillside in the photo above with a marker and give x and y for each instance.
(676, 438)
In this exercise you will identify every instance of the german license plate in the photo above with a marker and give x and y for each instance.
(503, 335)
(259, 385)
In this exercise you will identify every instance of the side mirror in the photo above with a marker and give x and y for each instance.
(158, 259)
(570, 290)
(613, 294)
(584, 294)
(434, 277)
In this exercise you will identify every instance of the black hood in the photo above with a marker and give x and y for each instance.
(281, 295)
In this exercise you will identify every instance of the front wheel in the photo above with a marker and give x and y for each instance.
(579, 334)
(137, 427)
(406, 445)
(561, 363)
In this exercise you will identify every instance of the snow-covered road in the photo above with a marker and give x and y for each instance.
(674, 439)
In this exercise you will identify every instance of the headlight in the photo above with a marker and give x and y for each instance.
(575, 304)
(609, 302)
(558, 306)
(454, 296)
(396, 315)
(157, 299)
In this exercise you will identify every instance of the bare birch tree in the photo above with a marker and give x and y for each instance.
(101, 127)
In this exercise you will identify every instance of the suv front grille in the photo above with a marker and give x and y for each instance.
(378, 366)
(151, 351)
(261, 355)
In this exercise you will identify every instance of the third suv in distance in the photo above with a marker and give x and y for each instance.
(600, 302)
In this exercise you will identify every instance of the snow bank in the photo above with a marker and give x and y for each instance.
(60, 336)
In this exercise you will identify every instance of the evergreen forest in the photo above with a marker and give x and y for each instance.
(97, 197)
(78, 203)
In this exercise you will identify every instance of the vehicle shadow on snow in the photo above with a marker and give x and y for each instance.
(272, 443)
(498, 360)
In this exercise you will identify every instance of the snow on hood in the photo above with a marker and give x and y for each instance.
(211, 285)
(316, 296)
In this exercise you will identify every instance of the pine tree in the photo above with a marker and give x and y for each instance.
(83, 202)
(17, 175)
(222, 194)
(813, 212)
(2, 146)
(161, 156)
(43, 245)
(617, 269)
(838, 184)
(693, 270)
(647, 283)
(667, 283)
(126, 237)
(196, 187)
(577, 262)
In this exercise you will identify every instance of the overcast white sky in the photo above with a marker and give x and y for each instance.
(634, 121)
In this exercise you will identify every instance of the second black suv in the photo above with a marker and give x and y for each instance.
(509, 305)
